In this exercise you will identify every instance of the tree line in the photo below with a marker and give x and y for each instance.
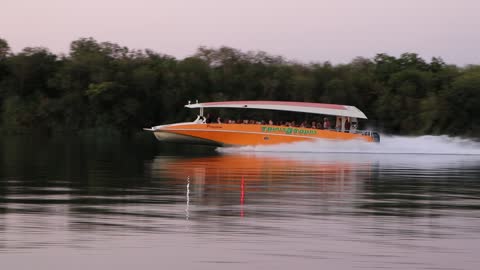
(105, 85)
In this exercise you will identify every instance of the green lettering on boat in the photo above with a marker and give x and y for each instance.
(289, 130)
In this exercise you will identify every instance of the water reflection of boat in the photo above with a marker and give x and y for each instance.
(238, 179)
(269, 184)
(264, 171)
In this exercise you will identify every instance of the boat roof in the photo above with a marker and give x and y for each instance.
(306, 107)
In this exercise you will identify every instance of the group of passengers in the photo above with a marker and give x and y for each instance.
(325, 124)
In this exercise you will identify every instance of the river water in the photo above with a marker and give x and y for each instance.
(97, 203)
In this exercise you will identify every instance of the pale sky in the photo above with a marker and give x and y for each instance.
(302, 30)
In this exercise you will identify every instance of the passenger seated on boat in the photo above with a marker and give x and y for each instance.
(208, 119)
(219, 120)
(245, 121)
(326, 123)
(314, 124)
(319, 125)
(270, 122)
(354, 127)
(347, 126)
(338, 124)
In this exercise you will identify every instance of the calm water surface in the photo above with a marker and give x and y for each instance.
(79, 203)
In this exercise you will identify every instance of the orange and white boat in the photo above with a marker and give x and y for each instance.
(201, 131)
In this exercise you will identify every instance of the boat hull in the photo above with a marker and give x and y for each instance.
(168, 136)
(247, 134)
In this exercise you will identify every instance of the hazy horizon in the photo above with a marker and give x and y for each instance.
(302, 30)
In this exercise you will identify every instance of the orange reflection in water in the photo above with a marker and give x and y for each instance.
(265, 171)
(241, 178)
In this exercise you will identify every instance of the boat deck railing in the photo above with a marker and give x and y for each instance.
(202, 120)
(353, 131)
(363, 132)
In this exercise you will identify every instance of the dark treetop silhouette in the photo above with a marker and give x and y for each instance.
(104, 85)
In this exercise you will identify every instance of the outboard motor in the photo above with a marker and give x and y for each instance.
(376, 137)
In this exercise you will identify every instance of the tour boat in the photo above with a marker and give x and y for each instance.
(218, 133)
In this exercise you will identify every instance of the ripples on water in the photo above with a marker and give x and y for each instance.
(75, 203)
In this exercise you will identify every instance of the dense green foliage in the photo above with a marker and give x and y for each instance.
(104, 85)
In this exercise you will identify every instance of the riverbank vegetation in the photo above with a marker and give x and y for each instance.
(102, 85)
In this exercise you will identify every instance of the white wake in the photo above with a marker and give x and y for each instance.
(438, 145)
